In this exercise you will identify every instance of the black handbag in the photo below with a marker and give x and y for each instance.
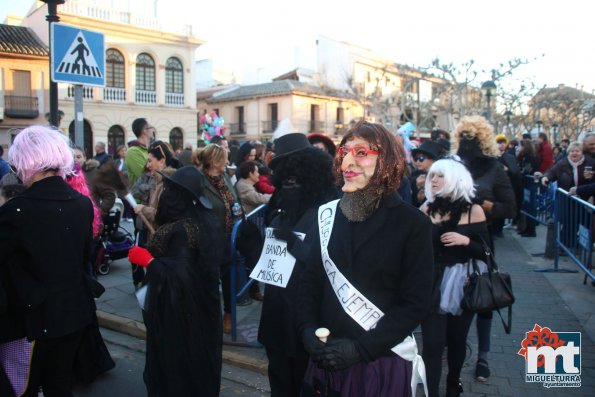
(485, 292)
(249, 240)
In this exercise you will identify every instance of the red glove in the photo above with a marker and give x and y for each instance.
(139, 256)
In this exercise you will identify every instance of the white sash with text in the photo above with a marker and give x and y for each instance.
(356, 305)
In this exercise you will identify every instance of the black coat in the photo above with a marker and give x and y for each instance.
(562, 173)
(49, 229)
(278, 325)
(388, 258)
(528, 163)
(492, 184)
(183, 318)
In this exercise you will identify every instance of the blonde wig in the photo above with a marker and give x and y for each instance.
(478, 127)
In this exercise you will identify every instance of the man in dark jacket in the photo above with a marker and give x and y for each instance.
(100, 153)
(514, 174)
(185, 158)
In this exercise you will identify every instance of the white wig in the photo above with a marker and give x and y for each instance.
(458, 182)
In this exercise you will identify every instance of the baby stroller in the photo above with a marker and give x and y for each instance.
(115, 241)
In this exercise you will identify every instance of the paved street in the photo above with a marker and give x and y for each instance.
(125, 380)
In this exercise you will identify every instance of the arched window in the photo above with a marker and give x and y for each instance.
(145, 72)
(176, 138)
(87, 143)
(114, 69)
(174, 76)
(115, 138)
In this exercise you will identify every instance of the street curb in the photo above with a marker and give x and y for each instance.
(137, 329)
(122, 324)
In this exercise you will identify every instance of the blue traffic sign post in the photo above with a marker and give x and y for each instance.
(78, 57)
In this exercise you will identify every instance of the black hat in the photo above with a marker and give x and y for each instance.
(445, 143)
(192, 180)
(288, 144)
(433, 149)
(331, 148)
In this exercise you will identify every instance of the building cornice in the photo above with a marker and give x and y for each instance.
(127, 31)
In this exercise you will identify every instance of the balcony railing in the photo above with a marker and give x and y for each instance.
(269, 125)
(172, 99)
(237, 128)
(21, 107)
(146, 97)
(113, 94)
(317, 126)
(87, 92)
(106, 13)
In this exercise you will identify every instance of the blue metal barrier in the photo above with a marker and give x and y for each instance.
(538, 200)
(573, 231)
(237, 270)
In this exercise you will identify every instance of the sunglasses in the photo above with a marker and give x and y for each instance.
(357, 151)
(419, 159)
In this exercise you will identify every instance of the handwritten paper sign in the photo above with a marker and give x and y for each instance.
(276, 263)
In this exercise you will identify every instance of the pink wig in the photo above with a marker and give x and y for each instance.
(77, 181)
(40, 148)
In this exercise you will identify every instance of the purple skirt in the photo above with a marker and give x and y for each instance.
(15, 357)
(386, 376)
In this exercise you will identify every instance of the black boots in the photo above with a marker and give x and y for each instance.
(454, 389)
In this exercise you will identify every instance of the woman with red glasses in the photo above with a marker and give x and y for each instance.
(368, 276)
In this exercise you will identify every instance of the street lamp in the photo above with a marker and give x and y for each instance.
(508, 115)
(488, 88)
(539, 124)
(51, 18)
(555, 126)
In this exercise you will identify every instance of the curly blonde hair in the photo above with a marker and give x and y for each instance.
(479, 127)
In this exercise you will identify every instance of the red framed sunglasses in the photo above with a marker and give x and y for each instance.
(357, 151)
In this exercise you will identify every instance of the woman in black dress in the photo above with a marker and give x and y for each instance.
(458, 230)
(183, 309)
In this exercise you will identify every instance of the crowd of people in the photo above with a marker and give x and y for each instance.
(389, 227)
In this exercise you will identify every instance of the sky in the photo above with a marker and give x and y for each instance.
(260, 39)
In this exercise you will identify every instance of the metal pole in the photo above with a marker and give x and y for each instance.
(53, 17)
(79, 132)
(488, 113)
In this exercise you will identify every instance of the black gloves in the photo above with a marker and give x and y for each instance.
(337, 354)
(311, 342)
(285, 235)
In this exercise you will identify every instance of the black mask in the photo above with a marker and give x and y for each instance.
(291, 200)
(469, 149)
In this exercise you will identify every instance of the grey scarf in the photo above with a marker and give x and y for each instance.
(359, 205)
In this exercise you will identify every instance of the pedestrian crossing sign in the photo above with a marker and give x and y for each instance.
(78, 55)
